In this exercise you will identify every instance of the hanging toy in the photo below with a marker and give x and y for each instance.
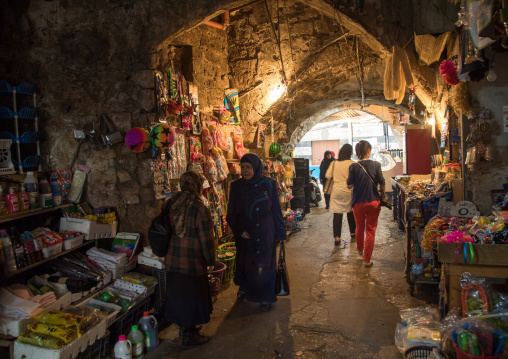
(449, 71)
(162, 136)
(207, 139)
(275, 149)
(137, 139)
(238, 141)
(211, 169)
(412, 101)
(222, 139)
(221, 166)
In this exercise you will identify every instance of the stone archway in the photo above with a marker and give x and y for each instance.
(385, 110)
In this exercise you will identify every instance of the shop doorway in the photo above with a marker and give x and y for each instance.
(319, 148)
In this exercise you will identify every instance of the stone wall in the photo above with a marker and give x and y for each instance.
(89, 57)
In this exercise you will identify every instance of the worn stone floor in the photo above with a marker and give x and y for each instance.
(337, 308)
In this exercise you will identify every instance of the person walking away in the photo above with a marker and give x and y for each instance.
(323, 167)
(366, 204)
(255, 217)
(341, 196)
(191, 249)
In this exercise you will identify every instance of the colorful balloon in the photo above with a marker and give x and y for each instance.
(137, 139)
(162, 136)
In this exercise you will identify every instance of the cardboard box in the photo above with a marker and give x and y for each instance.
(484, 254)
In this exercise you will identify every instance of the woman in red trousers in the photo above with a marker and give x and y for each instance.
(364, 177)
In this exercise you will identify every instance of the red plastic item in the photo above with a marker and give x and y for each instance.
(464, 355)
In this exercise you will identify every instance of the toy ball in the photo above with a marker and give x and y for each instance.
(275, 148)
(137, 139)
(162, 136)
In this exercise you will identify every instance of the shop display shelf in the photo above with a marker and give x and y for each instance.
(30, 212)
(12, 274)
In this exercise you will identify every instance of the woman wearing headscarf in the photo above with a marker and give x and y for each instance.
(340, 198)
(255, 216)
(323, 167)
(366, 204)
(191, 249)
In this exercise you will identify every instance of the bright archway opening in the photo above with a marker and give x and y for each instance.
(350, 127)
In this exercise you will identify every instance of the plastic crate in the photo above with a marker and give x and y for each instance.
(124, 322)
(97, 350)
(52, 250)
(160, 290)
(297, 202)
(73, 242)
(298, 183)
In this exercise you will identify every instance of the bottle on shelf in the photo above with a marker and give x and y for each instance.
(148, 325)
(123, 348)
(12, 200)
(136, 339)
(24, 202)
(19, 250)
(32, 188)
(45, 196)
(9, 257)
(56, 192)
(3, 204)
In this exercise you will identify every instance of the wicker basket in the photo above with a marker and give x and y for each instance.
(230, 263)
(215, 278)
(421, 352)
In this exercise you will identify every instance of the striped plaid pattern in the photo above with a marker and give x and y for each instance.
(196, 250)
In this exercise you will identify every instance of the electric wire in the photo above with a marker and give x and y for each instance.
(278, 42)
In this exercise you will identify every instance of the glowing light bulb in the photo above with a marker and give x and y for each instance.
(431, 121)
(491, 76)
(277, 93)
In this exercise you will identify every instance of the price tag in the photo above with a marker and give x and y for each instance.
(464, 209)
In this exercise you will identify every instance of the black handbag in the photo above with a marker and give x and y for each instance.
(383, 200)
(160, 231)
(282, 281)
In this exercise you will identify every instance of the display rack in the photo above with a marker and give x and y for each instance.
(25, 159)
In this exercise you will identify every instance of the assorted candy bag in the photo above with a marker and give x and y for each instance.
(67, 335)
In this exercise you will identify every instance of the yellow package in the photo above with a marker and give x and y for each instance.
(65, 334)
(42, 340)
(56, 317)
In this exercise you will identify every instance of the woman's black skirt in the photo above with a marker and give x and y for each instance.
(188, 300)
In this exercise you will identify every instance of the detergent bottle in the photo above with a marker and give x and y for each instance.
(123, 348)
(148, 325)
(137, 341)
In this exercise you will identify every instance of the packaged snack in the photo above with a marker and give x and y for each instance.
(57, 317)
(139, 278)
(67, 335)
(41, 340)
(238, 142)
(90, 317)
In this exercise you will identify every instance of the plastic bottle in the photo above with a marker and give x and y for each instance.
(148, 325)
(56, 192)
(3, 204)
(136, 339)
(24, 203)
(123, 348)
(10, 261)
(32, 188)
(45, 196)
(17, 246)
(12, 201)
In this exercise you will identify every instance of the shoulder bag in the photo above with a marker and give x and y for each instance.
(160, 231)
(383, 200)
(282, 280)
(329, 182)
